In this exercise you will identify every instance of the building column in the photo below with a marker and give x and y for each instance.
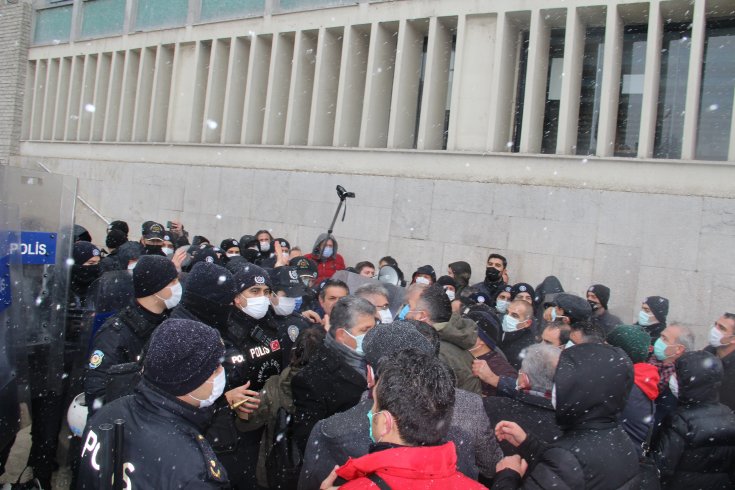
(694, 83)
(571, 84)
(651, 80)
(534, 101)
(610, 83)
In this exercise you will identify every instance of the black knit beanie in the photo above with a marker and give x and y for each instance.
(83, 251)
(115, 238)
(211, 282)
(602, 292)
(151, 274)
(659, 307)
(252, 275)
(182, 355)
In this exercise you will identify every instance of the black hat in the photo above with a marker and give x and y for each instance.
(287, 279)
(575, 308)
(235, 264)
(228, 243)
(182, 355)
(251, 275)
(211, 282)
(522, 287)
(247, 241)
(425, 269)
(447, 281)
(284, 243)
(199, 240)
(118, 225)
(387, 339)
(602, 293)
(304, 266)
(115, 238)
(153, 231)
(151, 274)
(206, 253)
(81, 234)
(659, 307)
(472, 296)
(83, 251)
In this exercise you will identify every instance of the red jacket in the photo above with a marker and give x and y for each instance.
(327, 268)
(426, 468)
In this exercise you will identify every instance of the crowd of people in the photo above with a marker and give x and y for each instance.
(247, 364)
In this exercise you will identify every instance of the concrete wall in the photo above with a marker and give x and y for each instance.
(15, 33)
(638, 243)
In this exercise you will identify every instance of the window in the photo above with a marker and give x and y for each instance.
(158, 14)
(53, 25)
(630, 102)
(591, 90)
(553, 91)
(520, 91)
(228, 9)
(102, 17)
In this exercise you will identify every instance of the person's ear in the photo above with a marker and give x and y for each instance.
(370, 377)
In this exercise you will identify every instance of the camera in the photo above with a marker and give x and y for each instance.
(343, 194)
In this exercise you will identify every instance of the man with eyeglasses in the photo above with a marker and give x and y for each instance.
(722, 344)
(377, 295)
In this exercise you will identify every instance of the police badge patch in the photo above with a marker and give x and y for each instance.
(96, 359)
(293, 332)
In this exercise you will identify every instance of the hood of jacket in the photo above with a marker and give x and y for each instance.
(459, 331)
(550, 285)
(699, 375)
(424, 463)
(592, 382)
(646, 377)
(317, 249)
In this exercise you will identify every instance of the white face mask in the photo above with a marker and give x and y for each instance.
(132, 266)
(553, 396)
(168, 251)
(569, 344)
(450, 294)
(422, 280)
(715, 337)
(176, 292)
(219, 383)
(285, 306)
(385, 316)
(265, 246)
(257, 307)
(233, 255)
(674, 385)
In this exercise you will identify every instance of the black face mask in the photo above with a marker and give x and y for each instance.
(249, 254)
(84, 274)
(492, 274)
(154, 250)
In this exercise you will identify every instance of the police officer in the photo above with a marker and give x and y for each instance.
(164, 419)
(123, 336)
(252, 355)
(288, 292)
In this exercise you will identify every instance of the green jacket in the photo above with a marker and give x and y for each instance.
(456, 337)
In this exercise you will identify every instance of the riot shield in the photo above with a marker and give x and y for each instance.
(46, 213)
(396, 294)
(12, 360)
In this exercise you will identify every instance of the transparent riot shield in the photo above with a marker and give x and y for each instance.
(396, 294)
(40, 298)
(12, 358)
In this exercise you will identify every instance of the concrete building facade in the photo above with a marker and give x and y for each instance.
(591, 140)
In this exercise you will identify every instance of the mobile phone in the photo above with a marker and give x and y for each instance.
(168, 225)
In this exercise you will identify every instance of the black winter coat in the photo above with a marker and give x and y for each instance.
(592, 386)
(727, 389)
(325, 386)
(289, 328)
(533, 413)
(121, 339)
(513, 343)
(696, 445)
(163, 445)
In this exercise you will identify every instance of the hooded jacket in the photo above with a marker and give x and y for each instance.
(696, 446)
(638, 414)
(326, 267)
(456, 337)
(427, 467)
(592, 385)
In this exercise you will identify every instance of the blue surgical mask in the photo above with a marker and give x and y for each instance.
(510, 324)
(358, 341)
(299, 302)
(659, 350)
(502, 305)
(644, 319)
(404, 311)
(370, 415)
(327, 252)
(554, 315)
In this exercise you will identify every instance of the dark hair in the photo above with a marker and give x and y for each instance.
(591, 329)
(498, 256)
(564, 330)
(389, 261)
(729, 316)
(345, 313)
(418, 391)
(427, 331)
(462, 272)
(329, 283)
(362, 264)
(435, 302)
(307, 343)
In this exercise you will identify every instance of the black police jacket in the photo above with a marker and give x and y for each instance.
(163, 446)
(289, 328)
(252, 353)
(121, 339)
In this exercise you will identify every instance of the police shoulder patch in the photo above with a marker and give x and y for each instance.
(96, 359)
(293, 332)
(215, 470)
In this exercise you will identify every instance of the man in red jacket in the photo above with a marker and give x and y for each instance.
(411, 414)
